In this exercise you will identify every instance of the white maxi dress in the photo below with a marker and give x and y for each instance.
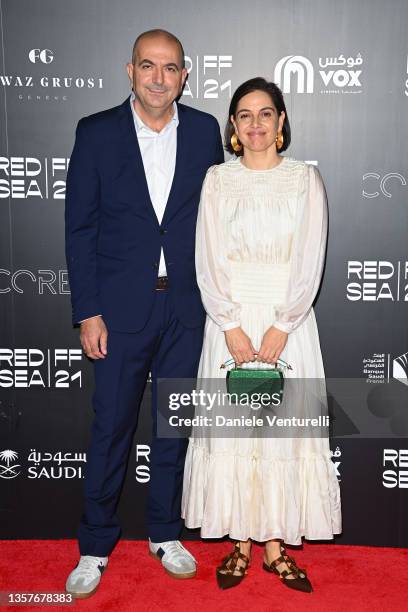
(260, 249)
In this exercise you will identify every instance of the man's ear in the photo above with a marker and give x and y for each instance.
(129, 69)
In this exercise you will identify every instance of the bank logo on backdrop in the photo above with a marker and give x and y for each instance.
(47, 81)
(337, 75)
(8, 464)
(400, 368)
(384, 367)
(377, 184)
(24, 368)
(377, 280)
(395, 462)
(209, 76)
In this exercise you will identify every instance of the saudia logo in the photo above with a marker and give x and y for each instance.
(61, 83)
(8, 465)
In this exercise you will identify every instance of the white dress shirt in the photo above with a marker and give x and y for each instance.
(158, 150)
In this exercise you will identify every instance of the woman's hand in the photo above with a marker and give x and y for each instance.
(239, 345)
(273, 343)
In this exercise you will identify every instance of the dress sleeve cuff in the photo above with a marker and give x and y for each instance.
(231, 325)
(285, 327)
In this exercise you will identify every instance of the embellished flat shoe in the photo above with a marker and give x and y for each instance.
(299, 582)
(226, 573)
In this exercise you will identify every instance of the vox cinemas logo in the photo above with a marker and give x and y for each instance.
(35, 85)
(336, 455)
(336, 75)
(208, 77)
(23, 178)
(23, 368)
(395, 464)
(374, 280)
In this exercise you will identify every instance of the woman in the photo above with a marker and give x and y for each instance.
(261, 238)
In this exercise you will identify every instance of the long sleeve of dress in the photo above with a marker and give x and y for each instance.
(307, 253)
(212, 266)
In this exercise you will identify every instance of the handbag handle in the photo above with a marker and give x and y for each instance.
(280, 362)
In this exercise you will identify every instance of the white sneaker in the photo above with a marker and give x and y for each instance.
(84, 580)
(176, 559)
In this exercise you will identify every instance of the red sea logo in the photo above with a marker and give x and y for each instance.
(9, 470)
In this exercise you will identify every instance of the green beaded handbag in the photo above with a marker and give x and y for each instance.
(244, 383)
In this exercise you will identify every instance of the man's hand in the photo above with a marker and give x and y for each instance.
(273, 343)
(239, 345)
(94, 338)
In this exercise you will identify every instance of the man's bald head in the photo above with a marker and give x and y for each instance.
(160, 34)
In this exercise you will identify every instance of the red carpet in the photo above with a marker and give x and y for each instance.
(345, 578)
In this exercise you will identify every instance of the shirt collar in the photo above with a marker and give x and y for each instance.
(141, 126)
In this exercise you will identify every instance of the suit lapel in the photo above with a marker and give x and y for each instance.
(178, 171)
(132, 156)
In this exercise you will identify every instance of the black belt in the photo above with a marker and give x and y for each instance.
(162, 283)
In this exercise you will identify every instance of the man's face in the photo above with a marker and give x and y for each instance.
(156, 75)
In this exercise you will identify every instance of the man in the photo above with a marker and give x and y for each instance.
(133, 189)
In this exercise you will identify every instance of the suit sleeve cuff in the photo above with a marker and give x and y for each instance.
(87, 319)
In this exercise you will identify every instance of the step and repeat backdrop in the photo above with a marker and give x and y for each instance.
(343, 68)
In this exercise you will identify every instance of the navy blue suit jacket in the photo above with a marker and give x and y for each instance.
(113, 237)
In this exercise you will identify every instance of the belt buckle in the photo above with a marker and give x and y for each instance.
(162, 283)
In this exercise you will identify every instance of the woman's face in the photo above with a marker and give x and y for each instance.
(257, 122)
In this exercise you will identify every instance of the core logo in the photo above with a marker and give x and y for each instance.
(45, 56)
(378, 183)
